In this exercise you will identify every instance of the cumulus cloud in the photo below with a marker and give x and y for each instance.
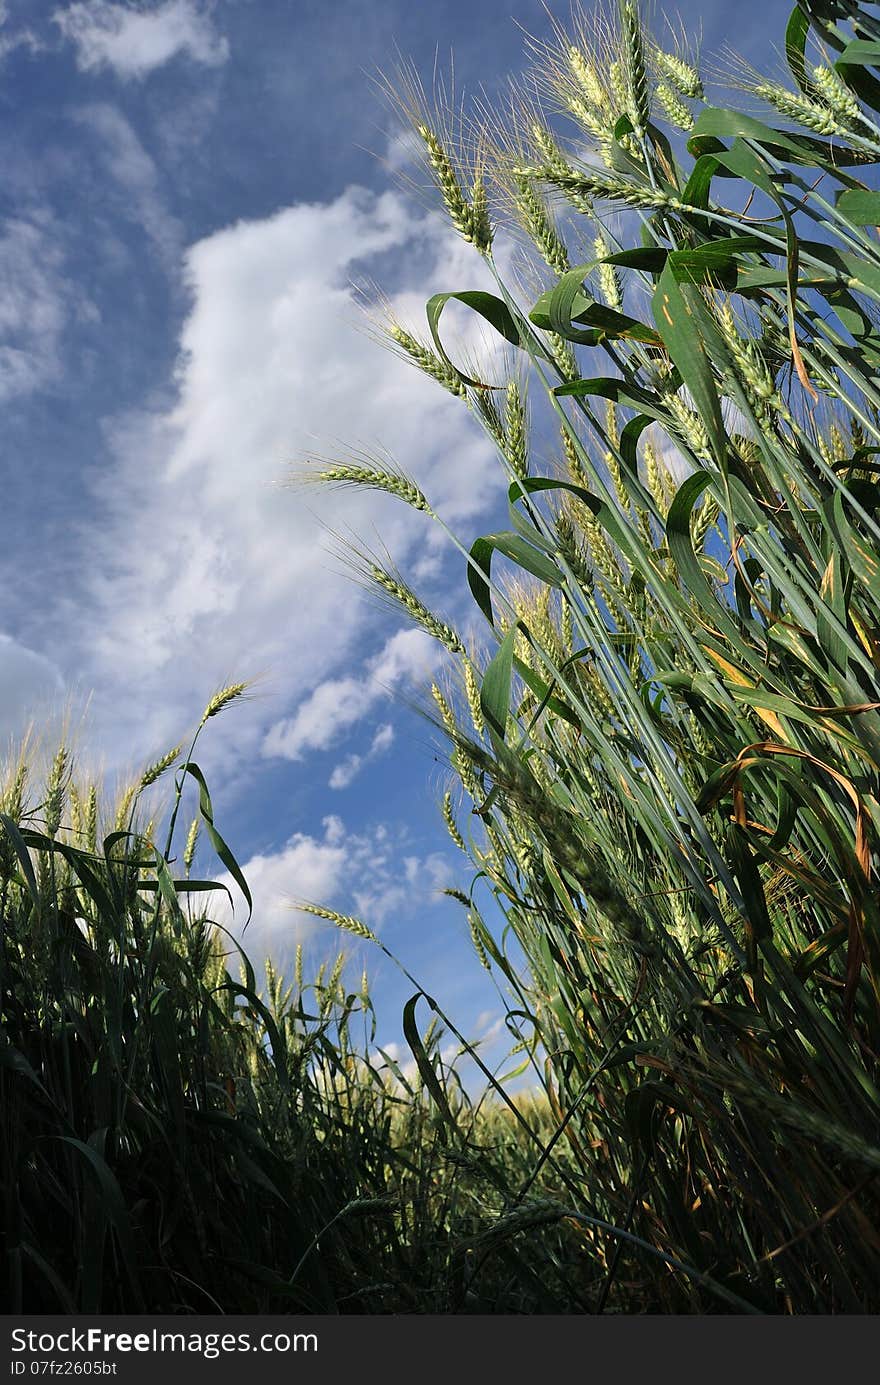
(409, 656)
(361, 872)
(202, 566)
(305, 868)
(134, 42)
(348, 769)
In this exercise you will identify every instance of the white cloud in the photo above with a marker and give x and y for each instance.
(383, 739)
(132, 168)
(134, 42)
(29, 686)
(36, 304)
(410, 656)
(353, 872)
(335, 705)
(19, 38)
(201, 567)
(348, 769)
(345, 772)
(306, 868)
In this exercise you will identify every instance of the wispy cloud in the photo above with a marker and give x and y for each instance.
(134, 42)
(135, 174)
(29, 685)
(11, 39)
(37, 301)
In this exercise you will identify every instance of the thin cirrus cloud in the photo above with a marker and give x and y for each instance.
(134, 187)
(134, 42)
(38, 301)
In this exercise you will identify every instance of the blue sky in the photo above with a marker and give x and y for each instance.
(190, 190)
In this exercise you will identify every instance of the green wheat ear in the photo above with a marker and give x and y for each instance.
(222, 698)
(344, 921)
(683, 76)
(373, 478)
(426, 359)
(158, 767)
(391, 585)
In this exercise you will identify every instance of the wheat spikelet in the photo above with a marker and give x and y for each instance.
(56, 789)
(801, 109)
(617, 80)
(374, 478)
(76, 812)
(540, 1212)
(472, 692)
(454, 200)
(677, 113)
(464, 768)
(483, 404)
(608, 276)
(345, 921)
(189, 849)
(591, 122)
(451, 824)
(571, 547)
(750, 368)
(585, 73)
(298, 968)
(446, 713)
(90, 827)
(538, 224)
(573, 461)
(516, 431)
(836, 94)
(683, 75)
(564, 357)
(689, 427)
(426, 359)
(482, 226)
(394, 587)
(331, 989)
(596, 185)
(566, 630)
(547, 146)
(222, 698)
(13, 794)
(158, 767)
(123, 811)
(612, 455)
(637, 76)
(657, 476)
(552, 157)
(477, 941)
